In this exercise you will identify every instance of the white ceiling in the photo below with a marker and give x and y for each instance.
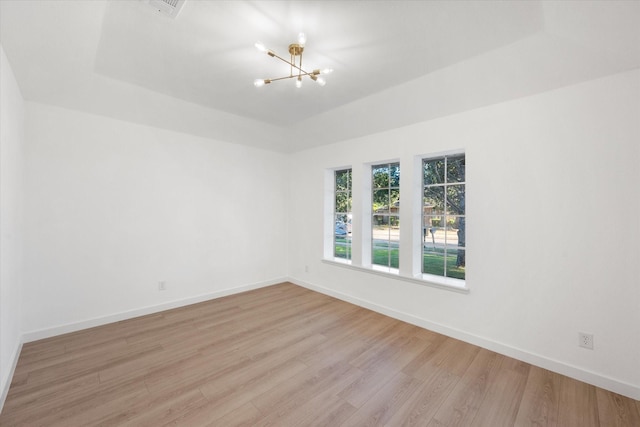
(395, 62)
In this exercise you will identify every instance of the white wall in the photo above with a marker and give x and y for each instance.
(11, 224)
(553, 228)
(113, 208)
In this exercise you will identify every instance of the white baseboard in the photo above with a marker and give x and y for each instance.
(6, 384)
(103, 320)
(630, 390)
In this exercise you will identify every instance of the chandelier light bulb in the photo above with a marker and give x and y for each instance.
(321, 81)
(299, 83)
(260, 46)
(302, 38)
(327, 71)
(258, 82)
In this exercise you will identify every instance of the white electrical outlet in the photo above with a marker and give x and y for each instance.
(162, 286)
(585, 340)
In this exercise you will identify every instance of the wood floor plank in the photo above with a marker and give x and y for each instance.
(451, 355)
(332, 351)
(365, 325)
(421, 406)
(379, 367)
(265, 362)
(245, 416)
(384, 404)
(226, 398)
(52, 391)
(162, 409)
(322, 409)
(365, 386)
(34, 356)
(289, 403)
(425, 356)
(465, 400)
(504, 394)
(578, 404)
(331, 412)
(210, 369)
(392, 346)
(69, 369)
(287, 356)
(304, 386)
(541, 399)
(616, 411)
(64, 407)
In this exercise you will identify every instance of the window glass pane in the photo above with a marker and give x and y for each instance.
(461, 231)
(380, 240)
(394, 200)
(380, 254)
(455, 168)
(434, 199)
(340, 226)
(394, 175)
(386, 240)
(455, 264)
(434, 231)
(394, 228)
(342, 218)
(433, 171)
(433, 261)
(343, 180)
(452, 232)
(385, 253)
(380, 201)
(342, 247)
(380, 227)
(456, 199)
(380, 176)
(342, 202)
(394, 258)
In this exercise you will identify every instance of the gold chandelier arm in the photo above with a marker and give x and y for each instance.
(300, 69)
(292, 77)
(303, 72)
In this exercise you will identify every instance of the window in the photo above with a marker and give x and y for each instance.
(434, 241)
(342, 214)
(443, 216)
(385, 220)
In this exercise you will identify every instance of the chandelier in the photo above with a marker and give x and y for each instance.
(295, 65)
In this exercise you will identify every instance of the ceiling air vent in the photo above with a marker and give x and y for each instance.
(168, 7)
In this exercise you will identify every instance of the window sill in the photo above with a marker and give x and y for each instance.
(445, 283)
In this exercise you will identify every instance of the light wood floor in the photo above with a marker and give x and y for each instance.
(287, 356)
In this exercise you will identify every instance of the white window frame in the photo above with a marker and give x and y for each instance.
(329, 215)
(348, 229)
(433, 278)
(385, 268)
